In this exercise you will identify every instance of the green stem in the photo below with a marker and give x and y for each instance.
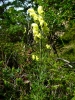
(41, 52)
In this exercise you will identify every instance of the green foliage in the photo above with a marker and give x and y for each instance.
(30, 70)
(68, 51)
(69, 34)
(13, 84)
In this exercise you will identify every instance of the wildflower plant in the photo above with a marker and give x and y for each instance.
(39, 27)
(40, 32)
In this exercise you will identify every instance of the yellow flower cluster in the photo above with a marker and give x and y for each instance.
(36, 33)
(40, 10)
(34, 57)
(38, 18)
(33, 14)
(48, 46)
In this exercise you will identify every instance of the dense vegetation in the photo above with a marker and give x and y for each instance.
(37, 50)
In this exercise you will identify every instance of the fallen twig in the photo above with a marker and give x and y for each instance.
(67, 63)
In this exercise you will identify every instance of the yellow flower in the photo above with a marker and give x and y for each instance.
(33, 57)
(35, 32)
(40, 10)
(41, 22)
(35, 17)
(32, 13)
(35, 26)
(39, 36)
(31, 10)
(40, 18)
(45, 24)
(48, 46)
(37, 59)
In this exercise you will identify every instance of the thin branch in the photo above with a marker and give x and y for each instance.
(67, 63)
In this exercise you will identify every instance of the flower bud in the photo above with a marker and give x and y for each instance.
(48, 46)
(33, 57)
(37, 59)
(31, 10)
(40, 10)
